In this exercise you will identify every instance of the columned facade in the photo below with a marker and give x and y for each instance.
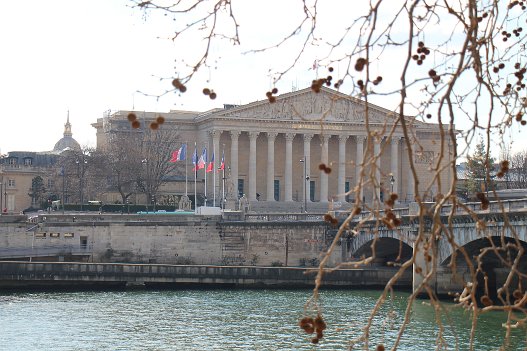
(323, 174)
(307, 160)
(270, 165)
(342, 168)
(264, 144)
(252, 165)
(288, 173)
(234, 164)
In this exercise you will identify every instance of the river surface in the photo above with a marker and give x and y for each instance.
(227, 320)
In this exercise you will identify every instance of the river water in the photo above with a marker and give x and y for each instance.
(224, 319)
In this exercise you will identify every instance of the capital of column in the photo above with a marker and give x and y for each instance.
(271, 135)
(396, 140)
(325, 138)
(343, 138)
(360, 138)
(215, 134)
(235, 134)
(308, 137)
(289, 136)
(253, 135)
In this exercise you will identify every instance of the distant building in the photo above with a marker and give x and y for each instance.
(19, 168)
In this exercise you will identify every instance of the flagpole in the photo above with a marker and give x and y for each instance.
(223, 188)
(213, 185)
(205, 174)
(223, 178)
(195, 178)
(186, 171)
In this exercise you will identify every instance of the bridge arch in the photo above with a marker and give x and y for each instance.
(387, 249)
(473, 239)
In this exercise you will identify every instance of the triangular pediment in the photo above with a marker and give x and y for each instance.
(306, 105)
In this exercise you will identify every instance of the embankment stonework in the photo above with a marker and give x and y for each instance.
(182, 240)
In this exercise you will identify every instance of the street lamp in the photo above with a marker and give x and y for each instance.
(63, 187)
(392, 181)
(144, 162)
(306, 179)
(80, 169)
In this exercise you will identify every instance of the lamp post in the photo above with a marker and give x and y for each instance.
(306, 178)
(80, 169)
(63, 188)
(144, 162)
(392, 181)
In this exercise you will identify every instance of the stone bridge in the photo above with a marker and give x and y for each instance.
(389, 244)
(471, 232)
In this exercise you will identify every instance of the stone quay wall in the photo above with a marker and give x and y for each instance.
(168, 239)
(14, 275)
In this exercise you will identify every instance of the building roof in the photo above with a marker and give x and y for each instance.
(66, 142)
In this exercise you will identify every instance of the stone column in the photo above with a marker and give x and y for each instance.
(394, 163)
(324, 175)
(252, 165)
(270, 166)
(376, 153)
(359, 139)
(410, 182)
(342, 168)
(288, 184)
(307, 154)
(217, 159)
(234, 163)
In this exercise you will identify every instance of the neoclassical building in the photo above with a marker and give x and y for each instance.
(274, 151)
(19, 168)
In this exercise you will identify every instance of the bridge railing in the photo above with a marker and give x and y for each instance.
(48, 250)
(284, 217)
(494, 207)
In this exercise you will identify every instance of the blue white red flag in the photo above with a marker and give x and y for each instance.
(222, 164)
(202, 159)
(195, 159)
(180, 154)
(210, 167)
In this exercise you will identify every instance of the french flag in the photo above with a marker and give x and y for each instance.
(222, 164)
(202, 159)
(180, 154)
(195, 159)
(211, 164)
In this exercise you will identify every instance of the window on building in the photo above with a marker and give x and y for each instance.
(28, 161)
(312, 190)
(346, 190)
(50, 183)
(240, 188)
(11, 183)
(277, 190)
(12, 161)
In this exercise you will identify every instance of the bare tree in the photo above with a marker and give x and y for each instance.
(123, 164)
(155, 152)
(518, 173)
(77, 170)
(461, 64)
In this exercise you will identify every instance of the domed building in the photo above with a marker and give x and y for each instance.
(19, 168)
(66, 142)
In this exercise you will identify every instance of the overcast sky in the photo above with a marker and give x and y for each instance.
(88, 57)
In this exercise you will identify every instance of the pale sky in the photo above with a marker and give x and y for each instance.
(88, 57)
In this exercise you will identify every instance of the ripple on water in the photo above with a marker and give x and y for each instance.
(217, 320)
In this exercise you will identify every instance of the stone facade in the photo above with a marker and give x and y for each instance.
(19, 168)
(271, 148)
